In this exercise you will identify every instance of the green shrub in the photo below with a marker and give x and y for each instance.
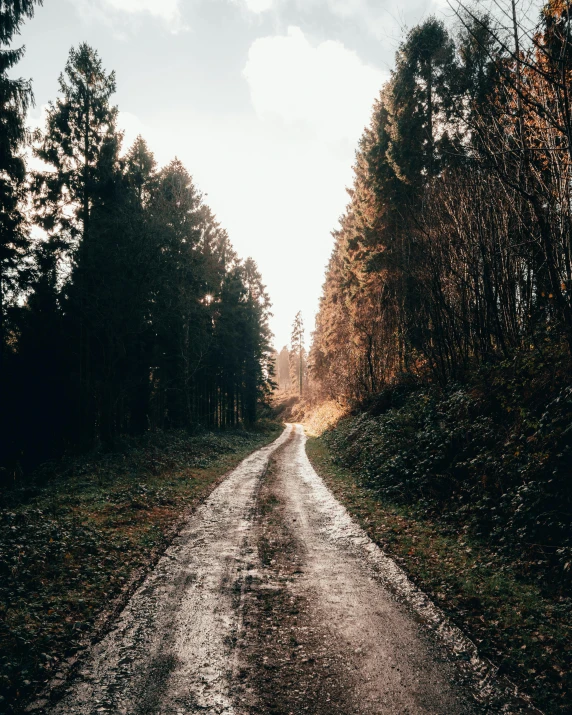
(492, 456)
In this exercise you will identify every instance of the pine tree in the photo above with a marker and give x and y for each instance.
(284, 369)
(75, 200)
(81, 144)
(258, 363)
(141, 170)
(15, 269)
(422, 98)
(455, 246)
(178, 288)
(140, 309)
(297, 343)
(139, 281)
(15, 99)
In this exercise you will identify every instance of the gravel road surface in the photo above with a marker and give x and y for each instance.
(272, 600)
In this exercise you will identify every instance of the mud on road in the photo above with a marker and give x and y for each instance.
(271, 600)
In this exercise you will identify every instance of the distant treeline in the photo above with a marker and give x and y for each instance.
(455, 250)
(291, 364)
(129, 309)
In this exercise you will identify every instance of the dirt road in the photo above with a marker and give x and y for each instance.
(272, 600)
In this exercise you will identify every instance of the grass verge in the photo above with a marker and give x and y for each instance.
(514, 623)
(74, 545)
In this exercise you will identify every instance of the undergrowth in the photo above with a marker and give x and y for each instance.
(471, 487)
(76, 538)
(514, 624)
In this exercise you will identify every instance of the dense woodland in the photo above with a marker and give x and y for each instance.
(124, 306)
(455, 248)
(445, 325)
(444, 339)
(446, 316)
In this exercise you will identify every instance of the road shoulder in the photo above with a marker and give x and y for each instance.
(83, 543)
(431, 558)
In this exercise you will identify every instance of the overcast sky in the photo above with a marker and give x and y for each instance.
(263, 100)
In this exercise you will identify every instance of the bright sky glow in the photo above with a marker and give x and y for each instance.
(257, 6)
(325, 88)
(263, 100)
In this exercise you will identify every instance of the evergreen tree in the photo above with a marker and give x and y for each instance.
(42, 400)
(422, 98)
(140, 308)
(139, 280)
(15, 99)
(455, 246)
(297, 352)
(75, 200)
(283, 369)
(141, 171)
(15, 271)
(81, 144)
(256, 341)
(178, 288)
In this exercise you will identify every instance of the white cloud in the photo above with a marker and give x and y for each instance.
(168, 10)
(258, 6)
(312, 101)
(110, 12)
(386, 20)
(327, 87)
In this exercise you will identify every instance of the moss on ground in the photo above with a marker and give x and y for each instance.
(74, 544)
(515, 623)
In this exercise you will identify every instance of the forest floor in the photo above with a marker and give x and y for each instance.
(272, 600)
(77, 539)
(521, 629)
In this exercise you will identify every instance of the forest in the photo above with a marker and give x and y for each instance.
(444, 334)
(137, 373)
(455, 248)
(135, 358)
(124, 307)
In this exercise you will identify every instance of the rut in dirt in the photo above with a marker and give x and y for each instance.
(320, 634)
(272, 600)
